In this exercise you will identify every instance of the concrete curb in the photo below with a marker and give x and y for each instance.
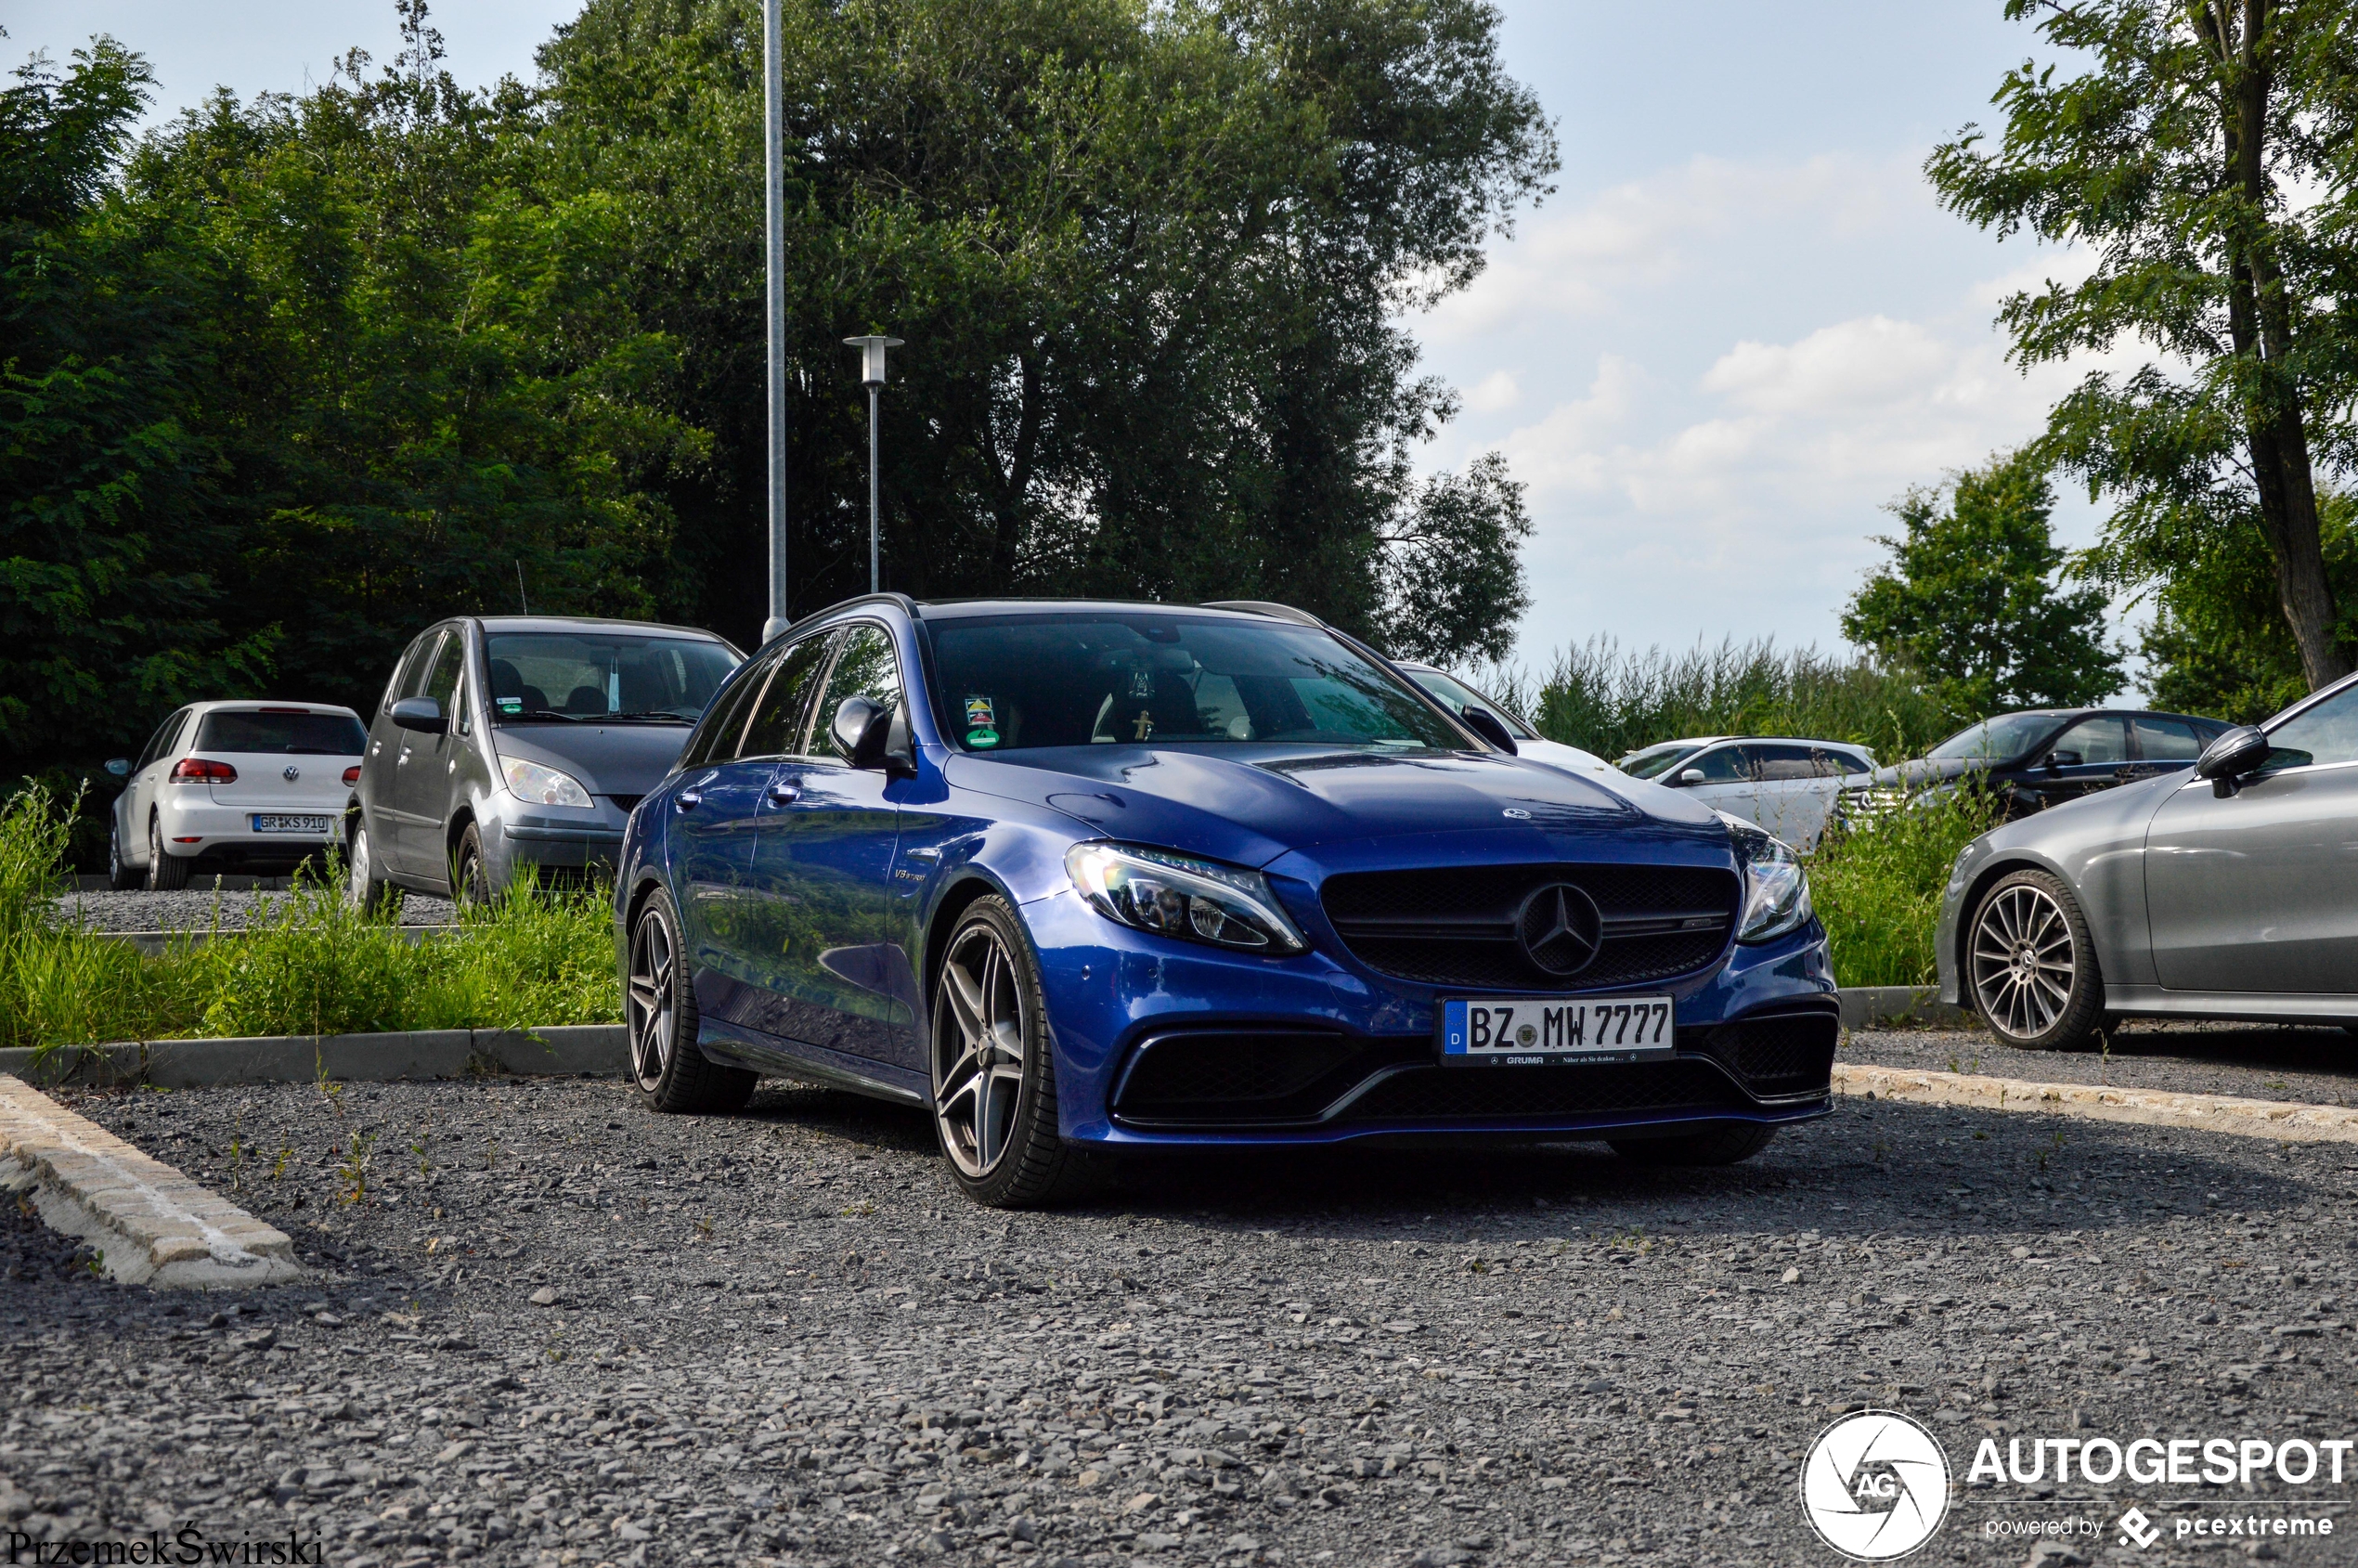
(571, 1050)
(150, 1224)
(2287, 1120)
(153, 943)
(1882, 1006)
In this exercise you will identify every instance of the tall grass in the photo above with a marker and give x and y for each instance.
(1612, 701)
(312, 964)
(1877, 886)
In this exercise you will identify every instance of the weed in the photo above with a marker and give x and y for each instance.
(704, 1227)
(425, 1164)
(278, 1166)
(1878, 884)
(236, 1154)
(354, 1168)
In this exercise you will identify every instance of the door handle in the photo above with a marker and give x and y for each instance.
(783, 792)
(687, 800)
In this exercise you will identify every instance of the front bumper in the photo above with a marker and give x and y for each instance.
(1161, 1042)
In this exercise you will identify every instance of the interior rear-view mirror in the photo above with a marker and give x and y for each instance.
(2241, 750)
(421, 714)
(119, 766)
(1484, 722)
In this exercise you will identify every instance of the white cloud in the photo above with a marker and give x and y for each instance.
(1496, 393)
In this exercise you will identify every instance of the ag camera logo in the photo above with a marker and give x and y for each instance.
(1875, 1485)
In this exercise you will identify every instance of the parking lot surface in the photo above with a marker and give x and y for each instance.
(194, 909)
(2311, 1065)
(550, 1328)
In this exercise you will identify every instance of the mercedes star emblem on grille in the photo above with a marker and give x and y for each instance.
(290, 773)
(1559, 929)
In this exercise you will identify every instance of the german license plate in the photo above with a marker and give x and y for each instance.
(281, 821)
(1533, 1031)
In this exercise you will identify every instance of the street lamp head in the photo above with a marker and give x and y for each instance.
(871, 358)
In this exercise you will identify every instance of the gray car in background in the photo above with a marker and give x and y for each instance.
(2229, 891)
(516, 743)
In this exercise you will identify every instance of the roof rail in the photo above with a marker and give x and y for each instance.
(1269, 607)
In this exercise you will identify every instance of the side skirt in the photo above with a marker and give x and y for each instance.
(732, 1047)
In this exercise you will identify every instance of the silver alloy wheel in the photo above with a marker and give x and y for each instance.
(978, 1052)
(356, 889)
(649, 1001)
(2024, 961)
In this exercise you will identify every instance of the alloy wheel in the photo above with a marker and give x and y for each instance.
(980, 1031)
(2024, 961)
(649, 999)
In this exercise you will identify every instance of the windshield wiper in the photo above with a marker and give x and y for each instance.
(668, 715)
(544, 713)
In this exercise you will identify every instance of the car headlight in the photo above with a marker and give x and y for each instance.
(1179, 896)
(544, 786)
(1776, 889)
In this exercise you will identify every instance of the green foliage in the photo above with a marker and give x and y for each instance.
(1970, 598)
(1877, 886)
(2199, 155)
(1610, 702)
(312, 965)
(2217, 643)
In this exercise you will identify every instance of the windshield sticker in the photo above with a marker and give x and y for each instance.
(982, 739)
(511, 704)
(979, 715)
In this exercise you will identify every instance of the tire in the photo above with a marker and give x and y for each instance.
(365, 887)
(2030, 966)
(122, 875)
(668, 1072)
(166, 873)
(470, 877)
(1724, 1145)
(995, 1078)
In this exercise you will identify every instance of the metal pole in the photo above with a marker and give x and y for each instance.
(874, 387)
(773, 138)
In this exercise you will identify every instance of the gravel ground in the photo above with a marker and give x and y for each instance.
(2317, 1066)
(551, 1329)
(192, 909)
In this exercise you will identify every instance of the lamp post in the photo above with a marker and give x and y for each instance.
(773, 129)
(871, 373)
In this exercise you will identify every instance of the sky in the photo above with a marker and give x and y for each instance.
(1739, 327)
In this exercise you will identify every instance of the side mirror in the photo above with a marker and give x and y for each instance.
(119, 766)
(2061, 760)
(1689, 776)
(2225, 760)
(1484, 722)
(863, 732)
(421, 714)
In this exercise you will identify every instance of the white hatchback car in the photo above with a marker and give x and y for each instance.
(242, 786)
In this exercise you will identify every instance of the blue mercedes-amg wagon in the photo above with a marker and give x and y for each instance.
(1070, 874)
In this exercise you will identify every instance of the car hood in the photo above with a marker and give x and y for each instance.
(1250, 805)
(607, 759)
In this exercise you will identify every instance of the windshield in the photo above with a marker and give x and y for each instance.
(1102, 677)
(1995, 740)
(1456, 695)
(292, 732)
(555, 677)
(1656, 760)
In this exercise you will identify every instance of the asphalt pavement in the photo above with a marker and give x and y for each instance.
(550, 1328)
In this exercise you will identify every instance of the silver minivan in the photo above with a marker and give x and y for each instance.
(521, 743)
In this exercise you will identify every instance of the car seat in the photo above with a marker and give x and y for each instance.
(586, 699)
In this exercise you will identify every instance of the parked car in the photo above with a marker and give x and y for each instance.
(1788, 786)
(2041, 757)
(2225, 894)
(1079, 876)
(232, 786)
(1457, 696)
(510, 742)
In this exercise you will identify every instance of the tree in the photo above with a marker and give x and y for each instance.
(2204, 159)
(2217, 643)
(1969, 601)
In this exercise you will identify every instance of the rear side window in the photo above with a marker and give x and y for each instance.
(776, 729)
(2167, 740)
(292, 732)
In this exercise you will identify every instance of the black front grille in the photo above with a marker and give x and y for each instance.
(1204, 1076)
(1455, 926)
(628, 803)
(1459, 1093)
(1784, 1054)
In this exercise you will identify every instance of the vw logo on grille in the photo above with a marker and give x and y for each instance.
(290, 773)
(1560, 929)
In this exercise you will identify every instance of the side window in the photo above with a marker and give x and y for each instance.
(716, 733)
(776, 729)
(2166, 740)
(2328, 732)
(1834, 764)
(161, 739)
(442, 683)
(2097, 740)
(410, 682)
(1725, 764)
(864, 668)
(1784, 764)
